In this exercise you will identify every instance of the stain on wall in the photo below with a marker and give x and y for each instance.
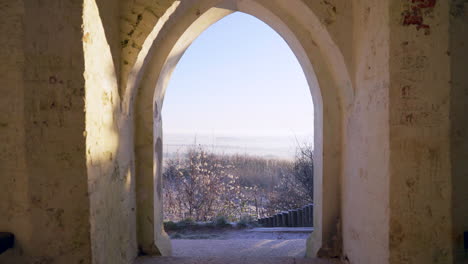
(420, 192)
(137, 20)
(417, 12)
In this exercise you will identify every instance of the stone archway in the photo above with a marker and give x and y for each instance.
(398, 150)
(325, 71)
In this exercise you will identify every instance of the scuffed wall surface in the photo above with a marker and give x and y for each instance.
(138, 20)
(458, 54)
(366, 174)
(337, 17)
(49, 191)
(420, 187)
(54, 124)
(14, 201)
(108, 140)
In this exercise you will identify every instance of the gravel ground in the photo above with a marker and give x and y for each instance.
(232, 243)
(227, 234)
(238, 247)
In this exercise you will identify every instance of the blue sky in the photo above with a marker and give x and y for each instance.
(239, 77)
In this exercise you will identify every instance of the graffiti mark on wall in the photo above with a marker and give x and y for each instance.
(417, 11)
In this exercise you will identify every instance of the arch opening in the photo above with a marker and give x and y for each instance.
(330, 89)
(238, 100)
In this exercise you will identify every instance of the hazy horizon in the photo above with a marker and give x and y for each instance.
(270, 146)
(238, 87)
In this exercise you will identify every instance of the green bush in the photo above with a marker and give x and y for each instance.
(170, 226)
(221, 221)
(246, 221)
(187, 222)
(209, 224)
(176, 236)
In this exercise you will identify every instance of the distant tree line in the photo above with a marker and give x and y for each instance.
(202, 185)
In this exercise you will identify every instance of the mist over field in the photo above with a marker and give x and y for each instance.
(280, 146)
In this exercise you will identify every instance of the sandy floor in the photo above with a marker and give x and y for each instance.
(233, 243)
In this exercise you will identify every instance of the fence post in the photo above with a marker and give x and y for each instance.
(285, 219)
(300, 217)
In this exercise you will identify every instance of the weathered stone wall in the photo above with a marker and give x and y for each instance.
(45, 202)
(109, 150)
(138, 19)
(14, 201)
(420, 183)
(337, 17)
(67, 147)
(366, 175)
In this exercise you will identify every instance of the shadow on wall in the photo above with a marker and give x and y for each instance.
(109, 14)
(459, 129)
(109, 142)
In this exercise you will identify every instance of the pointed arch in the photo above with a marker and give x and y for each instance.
(326, 73)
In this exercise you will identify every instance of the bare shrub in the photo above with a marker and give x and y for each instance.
(204, 186)
(199, 186)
